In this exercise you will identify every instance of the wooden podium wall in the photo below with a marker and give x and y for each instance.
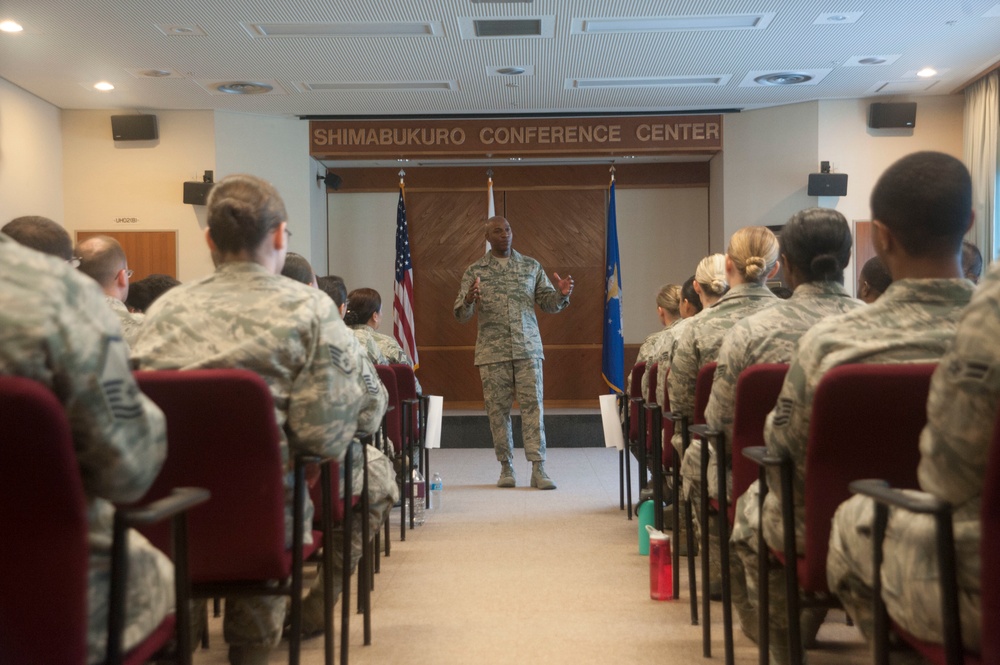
(564, 231)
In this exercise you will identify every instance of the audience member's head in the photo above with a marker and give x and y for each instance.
(42, 234)
(668, 303)
(690, 300)
(816, 246)
(972, 262)
(143, 293)
(753, 255)
(103, 260)
(334, 286)
(363, 306)
(874, 280)
(710, 278)
(247, 222)
(297, 267)
(923, 202)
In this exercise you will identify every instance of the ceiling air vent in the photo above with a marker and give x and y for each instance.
(523, 27)
(648, 82)
(783, 78)
(772, 79)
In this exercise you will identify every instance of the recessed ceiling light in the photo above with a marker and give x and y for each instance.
(783, 78)
(104, 86)
(511, 71)
(10, 26)
(181, 30)
(927, 72)
(871, 60)
(244, 88)
(837, 18)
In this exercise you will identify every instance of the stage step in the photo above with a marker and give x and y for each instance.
(565, 428)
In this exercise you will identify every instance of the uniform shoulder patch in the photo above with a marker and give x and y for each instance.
(371, 383)
(782, 412)
(340, 359)
(121, 395)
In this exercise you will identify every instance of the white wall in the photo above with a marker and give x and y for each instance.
(105, 179)
(362, 246)
(31, 156)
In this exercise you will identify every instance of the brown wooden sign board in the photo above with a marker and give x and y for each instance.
(476, 137)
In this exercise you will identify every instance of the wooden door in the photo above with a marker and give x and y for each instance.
(863, 249)
(147, 252)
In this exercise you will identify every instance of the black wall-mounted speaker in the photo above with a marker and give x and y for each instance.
(902, 115)
(196, 193)
(827, 184)
(134, 128)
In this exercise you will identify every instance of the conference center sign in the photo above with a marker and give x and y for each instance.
(515, 137)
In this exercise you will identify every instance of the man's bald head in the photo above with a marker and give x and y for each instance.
(102, 258)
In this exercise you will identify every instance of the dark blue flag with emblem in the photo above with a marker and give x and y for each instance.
(613, 356)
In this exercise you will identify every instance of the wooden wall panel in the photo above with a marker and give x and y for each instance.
(148, 252)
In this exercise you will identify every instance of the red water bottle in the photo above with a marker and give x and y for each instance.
(661, 574)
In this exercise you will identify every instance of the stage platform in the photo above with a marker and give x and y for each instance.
(564, 428)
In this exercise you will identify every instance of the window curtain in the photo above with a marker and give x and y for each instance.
(982, 117)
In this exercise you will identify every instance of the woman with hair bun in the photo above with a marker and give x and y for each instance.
(663, 347)
(815, 248)
(669, 306)
(363, 316)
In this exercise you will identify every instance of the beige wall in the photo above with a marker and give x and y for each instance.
(31, 156)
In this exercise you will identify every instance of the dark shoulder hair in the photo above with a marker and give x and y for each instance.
(242, 210)
(298, 268)
(333, 286)
(925, 199)
(142, 293)
(688, 293)
(817, 242)
(875, 273)
(42, 234)
(361, 305)
(972, 261)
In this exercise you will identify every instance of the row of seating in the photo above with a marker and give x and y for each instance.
(217, 420)
(865, 424)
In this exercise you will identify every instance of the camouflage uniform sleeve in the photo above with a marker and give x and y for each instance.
(330, 390)
(548, 299)
(119, 433)
(684, 373)
(464, 310)
(962, 405)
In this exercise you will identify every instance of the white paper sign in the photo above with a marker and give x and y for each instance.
(435, 405)
(612, 424)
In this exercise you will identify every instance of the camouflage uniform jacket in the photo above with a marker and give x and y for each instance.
(913, 321)
(508, 327)
(130, 322)
(700, 341)
(324, 387)
(769, 336)
(648, 351)
(366, 338)
(395, 354)
(664, 353)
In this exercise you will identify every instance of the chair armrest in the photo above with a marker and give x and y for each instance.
(705, 431)
(759, 456)
(182, 499)
(671, 416)
(922, 502)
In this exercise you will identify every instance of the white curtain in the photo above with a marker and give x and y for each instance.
(982, 117)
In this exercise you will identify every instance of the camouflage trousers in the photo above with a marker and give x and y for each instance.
(501, 383)
(910, 580)
(149, 592)
(258, 620)
(745, 541)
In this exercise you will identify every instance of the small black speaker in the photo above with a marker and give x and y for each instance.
(892, 116)
(827, 184)
(134, 128)
(196, 193)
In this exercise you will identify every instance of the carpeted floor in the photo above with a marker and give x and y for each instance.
(524, 576)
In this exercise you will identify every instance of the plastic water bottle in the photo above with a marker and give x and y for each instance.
(418, 498)
(437, 486)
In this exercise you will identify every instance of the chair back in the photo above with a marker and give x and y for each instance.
(635, 390)
(702, 391)
(669, 452)
(989, 548)
(757, 389)
(222, 435)
(406, 383)
(392, 423)
(866, 423)
(43, 514)
(650, 398)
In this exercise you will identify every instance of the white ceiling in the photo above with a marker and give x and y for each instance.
(68, 45)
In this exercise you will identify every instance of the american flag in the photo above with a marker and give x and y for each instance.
(402, 303)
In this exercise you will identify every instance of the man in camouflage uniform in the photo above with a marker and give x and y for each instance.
(245, 315)
(103, 259)
(954, 447)
(55, 329)
(921, 207)
(504, 286)
(42, 234)
(813, 240)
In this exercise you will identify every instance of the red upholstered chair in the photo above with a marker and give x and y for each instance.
(222, 435)
(635, 435)
(412, 416)
(43, 509)
(952, 651)
(392, 430)
(866, 422)
(702, 391)
(756, 392)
